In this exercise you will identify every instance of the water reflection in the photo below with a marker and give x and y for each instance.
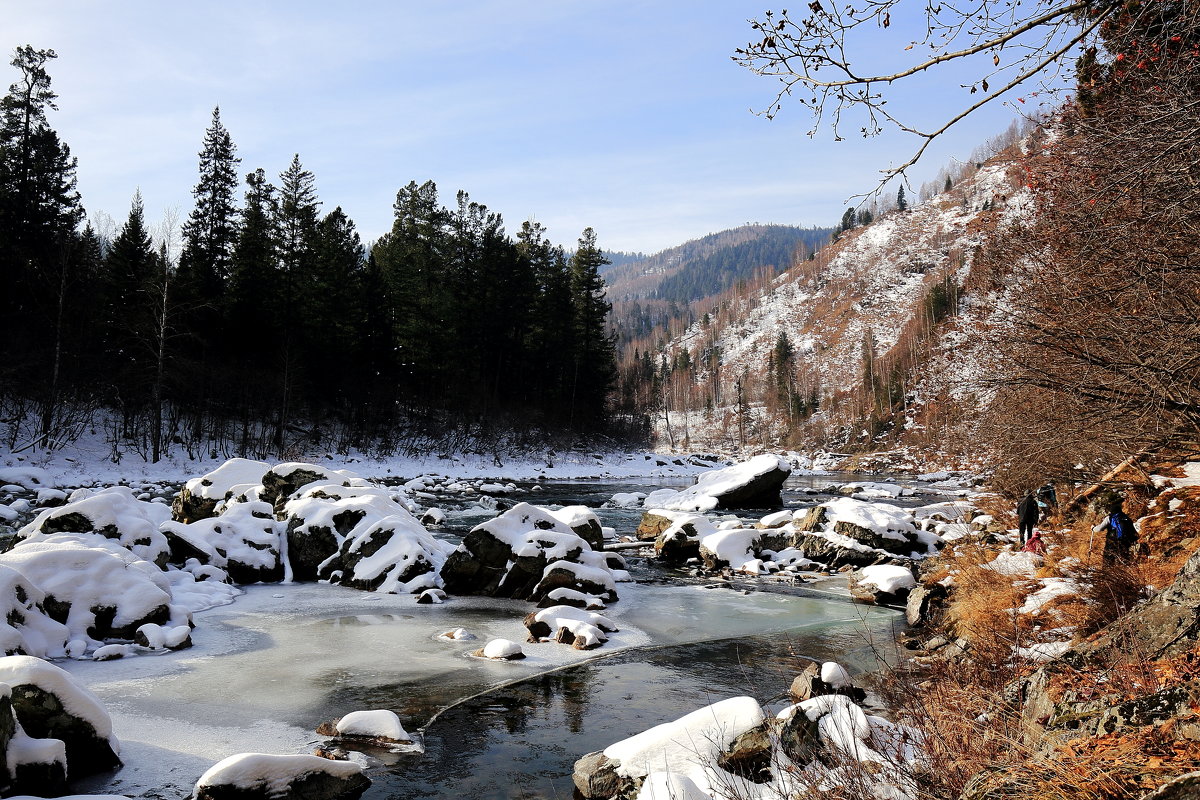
(522, 741)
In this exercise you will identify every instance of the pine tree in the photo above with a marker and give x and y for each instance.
(413, 257)
(210, 233)
(296, 225)
(130, 272)
(901, 203)
(594, 365)
(39, 212)
(551, 344)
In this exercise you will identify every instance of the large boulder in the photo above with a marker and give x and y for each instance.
(25, 627)
(113, 513)
(244, 541)
(257, 776)
(283, 480)
(324, 516)
(99, 591)
(527, 552)
(756, 483)
(48, 704)
(686, 747)
(199, 497)
(396, 555)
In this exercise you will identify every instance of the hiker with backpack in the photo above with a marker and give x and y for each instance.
(1119, 534)
(1029, 513)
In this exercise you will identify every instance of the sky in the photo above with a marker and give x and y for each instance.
(630, 118)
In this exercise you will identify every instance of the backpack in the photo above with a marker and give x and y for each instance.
(1123, 531)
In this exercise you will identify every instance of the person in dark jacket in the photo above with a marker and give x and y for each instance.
(1028, 514)
(1119, 534)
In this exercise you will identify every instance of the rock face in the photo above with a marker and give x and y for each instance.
(256, 776)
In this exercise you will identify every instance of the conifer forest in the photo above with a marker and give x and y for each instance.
(262, 322)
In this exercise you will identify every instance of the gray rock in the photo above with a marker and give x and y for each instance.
(924, 602)
(1184, 787)
(596, 778)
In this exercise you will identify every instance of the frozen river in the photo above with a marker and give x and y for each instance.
(268, 669)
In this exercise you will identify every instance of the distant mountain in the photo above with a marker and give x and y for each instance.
(871, 343)
(708, 265)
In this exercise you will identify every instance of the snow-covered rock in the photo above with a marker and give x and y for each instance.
(500, 650)
(25, 627)
(394, 555)
(199, 497)
(751, 484)
(49, 704)
(586, 629)
(98, 591)
(113, 513)
(529, 551)
(377, 724)
(244, 541)
(688, 747)
(258, 776)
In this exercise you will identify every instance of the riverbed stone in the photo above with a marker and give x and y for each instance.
(43, 715)
(595, 777)
(749, 755)
(923, 603)
(652, 525)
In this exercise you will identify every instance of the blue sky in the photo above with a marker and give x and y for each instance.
(628, 117)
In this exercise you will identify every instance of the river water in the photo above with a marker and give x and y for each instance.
(266, 670)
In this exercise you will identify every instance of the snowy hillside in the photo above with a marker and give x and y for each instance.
(866, 290)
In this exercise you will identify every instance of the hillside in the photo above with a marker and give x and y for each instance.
(705, 266)
(874, 322)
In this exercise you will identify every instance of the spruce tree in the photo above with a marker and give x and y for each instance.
(130, 273)
(39, 212)
(901, 203)
(210, 232)
(594, 364)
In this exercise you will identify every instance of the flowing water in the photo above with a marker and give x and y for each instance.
(266, 670)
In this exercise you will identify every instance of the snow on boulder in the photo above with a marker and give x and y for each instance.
(751, 484)
(49, 704)
(569, 625)
(509, 556)
(322, 517)
(380, 725)
(626, 500)
(591, 574)
(282, 481)
(855, 532)
(29, 478)
(668, 786)
(733, 548)
(394, 555)
(97, 592)
(243, 541)
(113, 513)
(500, 650)
(882, 584)
(835, 675)
(679, 540)
(687, 748)
(570, 597)
(25, 627)
(258, 776)
(199, 497)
